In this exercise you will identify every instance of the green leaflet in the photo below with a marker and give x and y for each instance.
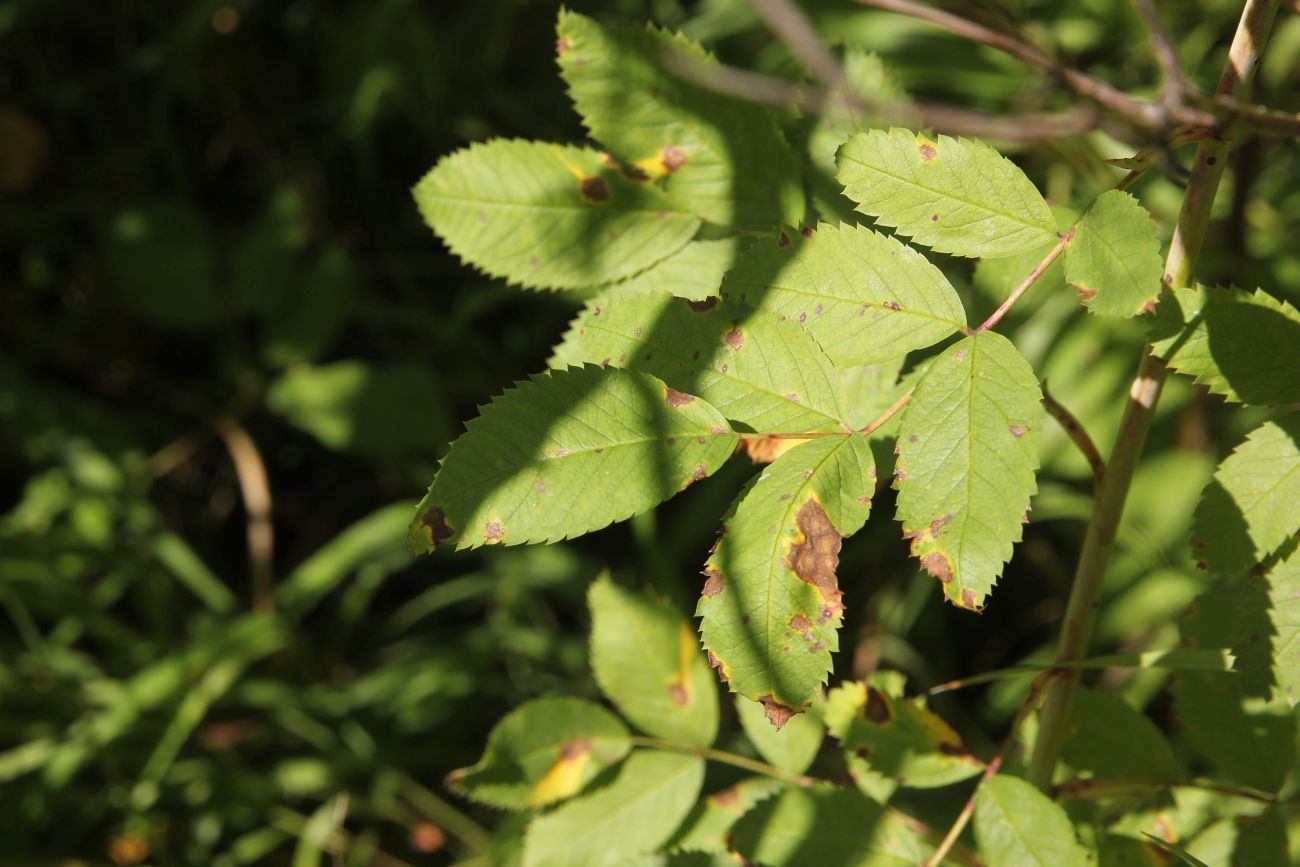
(1244, 346)
(956, 196)
(826, 827)
(966, 460)
(633, 815)
(866, 297)
(705, 828)
(1248, 743)
(695, 271)
(1253, 503)
(1113, 741)
(767, 375)
(549, 216)
(719, 157)
(1284, 616)
(1114, 258)
(792, 747)
(648, 661)
(545, 751)
(771, 605)
(1018, 826)
(896, 737)
(566, 453)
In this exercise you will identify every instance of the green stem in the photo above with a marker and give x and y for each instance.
(1076, 629)
(726, 758)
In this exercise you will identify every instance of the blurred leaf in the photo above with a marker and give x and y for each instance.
(1018, 826)
(647, 660)
(1112, 741)
(634, 815)
(707, 826)
(792, 747)
(545, 751)
(314, 312)
(161, 260)
(378, 537)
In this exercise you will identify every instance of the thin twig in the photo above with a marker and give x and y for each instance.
(887, 414)
(1099, 540)
(726, 758)
(788, 95)
(991, 769)
(1173, 85)
(1075, 430)
(788, 22)
(255, 490)
(1090, 788)
(1039, 269)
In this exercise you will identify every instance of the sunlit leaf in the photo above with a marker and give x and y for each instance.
(1113, 261)
(1018, 826)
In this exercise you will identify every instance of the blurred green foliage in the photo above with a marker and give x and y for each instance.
(205, 222)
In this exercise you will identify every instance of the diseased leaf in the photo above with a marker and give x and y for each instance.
(566, 453)
(767, 375)
(1018, 826)
(957, 196)
(966, 460)
(720, 157)
(1284, 616)
(1114, 258)
(792, 747)
(648, 661)
(1252, 505)
(827, 827)
(549, 216)
(1241, 345)
(634, 815)
(1113, 741)
(867, 298)
(771, 603)
(1248, 743)
(694, 272)
(896, 737)
(706, 827)
(545, 751)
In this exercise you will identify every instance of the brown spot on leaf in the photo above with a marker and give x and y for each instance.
(1019, 430)
(864, 500)
(677, 692)
(956, 750)
(1086, 294)
(677, 399)
(968, 600)
(777, 714)
(783, 241)
(893, 305)
(815, 553)
(562, 46)
(727, 798)
(938, 566)
(635, 173)
(594, 189)
(806, 231)
(959, 355)
(928, 152)
(735, 338)
(802, 625)
(721, 666)
(877, 709)
(575, 748)
(934, 218)
(493, 531)
(1149, 307)
(673, 158)
(435, 521)
(714, 582)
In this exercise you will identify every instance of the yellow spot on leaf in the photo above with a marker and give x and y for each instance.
(565, 777)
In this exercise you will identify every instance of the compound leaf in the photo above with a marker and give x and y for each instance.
(827, 827)
(866, 297)
(706, 827)
(1242, 345)
(545, 751)
(633, 815)
(1252, 505)
(648, 661)
(792, 747)
(771, 603)
(1018, 826)
(569, 452)
(547, 215)
(956, 196)
(966, 460)
(720, 157)
(770, 376)
(1113, 741)
(897, 737)
(1113, 260)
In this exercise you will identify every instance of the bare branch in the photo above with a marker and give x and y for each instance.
(1173, 85)
(792, 27)
(255, 489)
